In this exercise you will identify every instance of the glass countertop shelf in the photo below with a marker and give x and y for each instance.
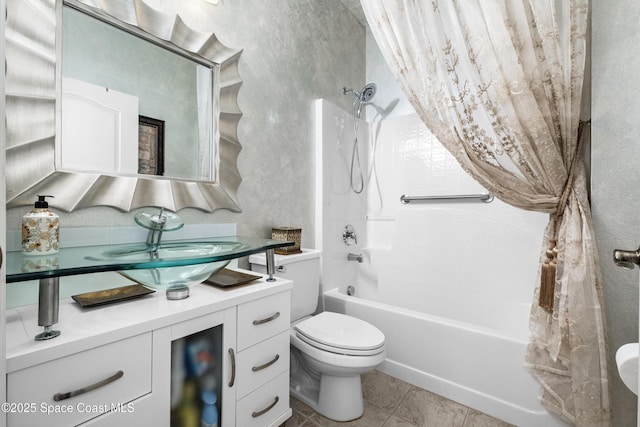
(101, 258)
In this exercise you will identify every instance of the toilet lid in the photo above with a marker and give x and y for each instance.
(341, 334)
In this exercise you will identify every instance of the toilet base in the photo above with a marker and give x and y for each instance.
(338, 398)
(341, 397)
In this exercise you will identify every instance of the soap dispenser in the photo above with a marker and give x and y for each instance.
(40, 230)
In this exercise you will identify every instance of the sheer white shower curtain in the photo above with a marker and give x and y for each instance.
(499, 82)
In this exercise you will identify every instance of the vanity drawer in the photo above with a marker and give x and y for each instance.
(134, 413)
(85, 384)
(261, 363)
(265, 405)
(263, 318)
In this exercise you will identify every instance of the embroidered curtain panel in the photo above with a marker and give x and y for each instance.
(499, 82)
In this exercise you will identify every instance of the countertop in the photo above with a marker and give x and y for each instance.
(85, 328)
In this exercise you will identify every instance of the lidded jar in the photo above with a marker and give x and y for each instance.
(40, 230)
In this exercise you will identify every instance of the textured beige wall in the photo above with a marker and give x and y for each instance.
(295, 51)
(615, 173)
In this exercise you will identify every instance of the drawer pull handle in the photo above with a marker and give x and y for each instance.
(268, 319)
(62, 396)
(266, 365)
(233, 367)
(256, 414)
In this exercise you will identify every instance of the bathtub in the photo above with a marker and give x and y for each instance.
(477, 364)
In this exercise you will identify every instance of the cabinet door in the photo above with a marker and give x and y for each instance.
(229, 369)
(162, 357)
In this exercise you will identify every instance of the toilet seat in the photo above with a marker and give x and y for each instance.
(342, 334)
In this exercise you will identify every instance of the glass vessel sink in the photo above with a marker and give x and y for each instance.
(176, 279)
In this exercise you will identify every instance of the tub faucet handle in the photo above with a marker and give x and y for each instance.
(349, 235)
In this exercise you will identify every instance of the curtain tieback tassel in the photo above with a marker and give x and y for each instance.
(546, 299)
(548, 278)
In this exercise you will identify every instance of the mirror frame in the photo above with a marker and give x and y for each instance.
(32, 89)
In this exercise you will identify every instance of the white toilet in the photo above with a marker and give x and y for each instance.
(329, 350)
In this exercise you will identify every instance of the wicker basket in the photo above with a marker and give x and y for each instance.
(288, 234)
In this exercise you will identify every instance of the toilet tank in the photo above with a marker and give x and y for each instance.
(301, 268)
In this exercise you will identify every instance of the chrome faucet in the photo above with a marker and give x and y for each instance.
(349, 235)
(355, 257)
(157, 222)
(156, 227)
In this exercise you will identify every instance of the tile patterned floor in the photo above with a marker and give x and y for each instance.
(390, 402)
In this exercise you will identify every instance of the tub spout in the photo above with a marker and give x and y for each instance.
(355, 257)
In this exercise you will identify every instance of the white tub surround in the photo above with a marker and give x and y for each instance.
(134, 337)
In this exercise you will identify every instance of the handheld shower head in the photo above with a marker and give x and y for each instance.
(365, 95)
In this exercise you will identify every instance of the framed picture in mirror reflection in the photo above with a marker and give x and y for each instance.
(150, 146)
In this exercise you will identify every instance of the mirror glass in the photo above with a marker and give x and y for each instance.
(169, 156)
(134, 109)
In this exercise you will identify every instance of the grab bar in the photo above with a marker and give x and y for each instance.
(485, 197)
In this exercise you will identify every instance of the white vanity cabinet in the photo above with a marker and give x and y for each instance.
(114, 362)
